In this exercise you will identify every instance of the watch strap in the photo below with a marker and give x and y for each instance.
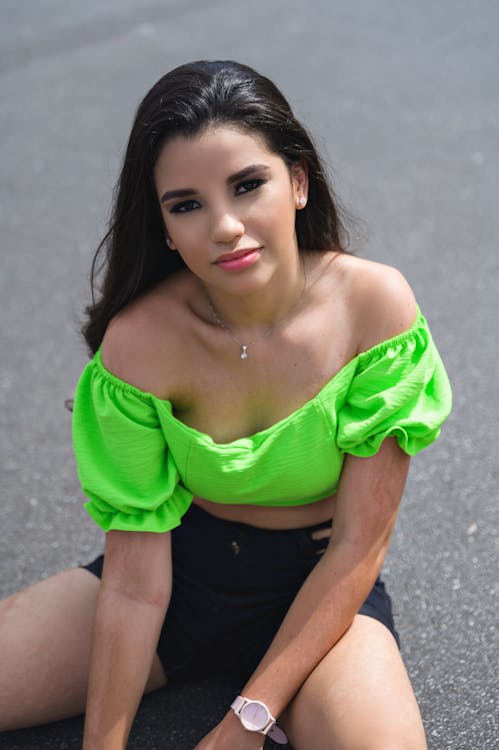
(275, 733)
(237, 704)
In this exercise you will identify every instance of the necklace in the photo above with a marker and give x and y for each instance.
(266, 333)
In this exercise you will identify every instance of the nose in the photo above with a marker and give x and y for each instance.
(226, 227)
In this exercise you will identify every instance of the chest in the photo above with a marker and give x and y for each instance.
(230, 397)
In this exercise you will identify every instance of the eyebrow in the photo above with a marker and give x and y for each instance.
(186, 192)
(246, 172)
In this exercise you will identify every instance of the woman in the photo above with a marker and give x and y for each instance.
(251, 382)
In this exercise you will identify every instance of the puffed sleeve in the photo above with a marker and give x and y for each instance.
(399, 388)
(124, 465)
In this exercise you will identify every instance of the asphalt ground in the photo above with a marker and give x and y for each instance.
(403, 99)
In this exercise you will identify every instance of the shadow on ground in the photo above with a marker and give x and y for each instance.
(175, 718)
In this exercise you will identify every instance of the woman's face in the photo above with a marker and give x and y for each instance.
(228, 205)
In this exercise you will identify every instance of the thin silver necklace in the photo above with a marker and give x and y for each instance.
(266, 333)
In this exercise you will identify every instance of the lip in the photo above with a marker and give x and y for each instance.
(235, 254)
(238, 259)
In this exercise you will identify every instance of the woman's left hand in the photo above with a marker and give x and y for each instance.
(231, 734)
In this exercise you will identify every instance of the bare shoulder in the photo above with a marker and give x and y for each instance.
(141, 343)
(381, 301)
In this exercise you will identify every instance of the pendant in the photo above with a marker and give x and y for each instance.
(244, 353)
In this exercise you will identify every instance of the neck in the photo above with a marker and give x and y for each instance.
(263, 308)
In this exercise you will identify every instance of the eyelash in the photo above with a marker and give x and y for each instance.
(256, 182)
(187, 206)
(182, 208)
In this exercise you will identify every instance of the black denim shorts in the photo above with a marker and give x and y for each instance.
(232, 586)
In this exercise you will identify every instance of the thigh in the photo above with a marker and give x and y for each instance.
(45, 642)
(359, 697)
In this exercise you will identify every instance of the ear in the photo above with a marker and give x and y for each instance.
(299, 179)
(169, 243)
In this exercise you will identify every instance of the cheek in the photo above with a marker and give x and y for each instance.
(275, 206)
(184, 231)
(279, 215)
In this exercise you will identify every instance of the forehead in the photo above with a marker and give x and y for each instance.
(219, 151)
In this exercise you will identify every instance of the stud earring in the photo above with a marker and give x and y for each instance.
(302, 201)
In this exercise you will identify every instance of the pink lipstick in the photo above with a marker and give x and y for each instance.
(238, 260)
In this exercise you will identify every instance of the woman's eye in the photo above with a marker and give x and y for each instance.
(184, 207)
(248, 185)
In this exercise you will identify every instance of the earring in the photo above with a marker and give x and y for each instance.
(303, 201)
(168, 242)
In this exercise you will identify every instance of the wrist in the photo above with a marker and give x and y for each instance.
(256, 718)
(236, 729)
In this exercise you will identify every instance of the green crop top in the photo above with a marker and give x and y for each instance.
(140, 466)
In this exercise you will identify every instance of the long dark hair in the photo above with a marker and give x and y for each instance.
(132, 256)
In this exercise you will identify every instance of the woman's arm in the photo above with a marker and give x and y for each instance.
(134, 596)
(368, 499)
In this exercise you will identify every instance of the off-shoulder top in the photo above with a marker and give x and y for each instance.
(140, 466)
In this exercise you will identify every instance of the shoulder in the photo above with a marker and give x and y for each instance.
(142, 342)
(380, 300)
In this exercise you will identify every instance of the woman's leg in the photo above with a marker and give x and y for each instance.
(358, 697)
(45, 643)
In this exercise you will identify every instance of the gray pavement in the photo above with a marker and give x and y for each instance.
(403, 97)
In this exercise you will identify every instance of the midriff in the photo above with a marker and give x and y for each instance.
(268, 517)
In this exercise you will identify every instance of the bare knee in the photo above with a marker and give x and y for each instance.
(377, 741)
(388, 742)
(45, 643)
(359, 697)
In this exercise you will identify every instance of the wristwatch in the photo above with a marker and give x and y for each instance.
(256, 717)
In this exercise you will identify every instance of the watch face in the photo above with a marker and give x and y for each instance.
(254, 716)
